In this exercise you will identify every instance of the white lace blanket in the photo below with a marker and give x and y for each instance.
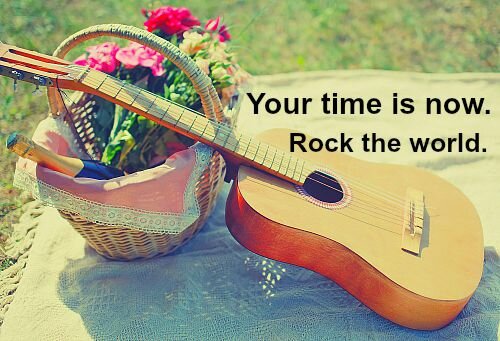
(212, 288)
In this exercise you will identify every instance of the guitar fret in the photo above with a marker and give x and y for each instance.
(274, 157)
(156, 108)
(102, 81)
(238, 145)
(248, 146)
(260, 158)
(221, 135)
(225, 141)
(279, 167)
(256, 151)
(99, 81)
(180, 116)
(154, 111)
(134, 92)
(234, 143)
(83, 73)
(166, 111)
(126, 95)
(205, 128)
(216, 132)
(211, 132)
(135, 99)
(187, 121)
(287, 165)
(192, 123)
(196, 129)
(284, 165)
(295, 168)
(292, 171)
(301, 171)
(144, 100)
(110, 88)
(265, 155)
(249, 152)
(91, 78)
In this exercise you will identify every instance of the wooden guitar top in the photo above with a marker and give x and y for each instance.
(450, 264)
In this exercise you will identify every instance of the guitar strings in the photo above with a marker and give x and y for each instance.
(355, 202)
(295, 195)
(378, 191)
(398, 221)
(359, 203)
(240, 141)
(221, 127)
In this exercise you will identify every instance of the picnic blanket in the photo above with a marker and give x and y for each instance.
(213, 288)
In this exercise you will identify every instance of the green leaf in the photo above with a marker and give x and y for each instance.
(120, 116)
(128, 142)
(114, 151)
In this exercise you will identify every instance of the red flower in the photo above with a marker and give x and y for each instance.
(170, 20)
(213, 25)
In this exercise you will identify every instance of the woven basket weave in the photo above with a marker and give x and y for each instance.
(121, 242)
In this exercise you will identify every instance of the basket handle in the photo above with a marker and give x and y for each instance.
(210, 101)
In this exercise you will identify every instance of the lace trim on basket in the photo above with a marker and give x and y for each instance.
(151, 222)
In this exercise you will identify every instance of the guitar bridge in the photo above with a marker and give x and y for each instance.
(413, 222)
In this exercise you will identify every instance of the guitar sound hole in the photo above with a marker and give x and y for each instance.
(323, 187)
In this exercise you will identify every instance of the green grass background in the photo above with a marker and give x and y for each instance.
(269, 37)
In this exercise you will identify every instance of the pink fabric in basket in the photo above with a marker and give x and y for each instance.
(159, 189)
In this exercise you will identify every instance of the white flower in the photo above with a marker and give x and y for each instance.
(219, 73)
(192, 43)
(203, 64)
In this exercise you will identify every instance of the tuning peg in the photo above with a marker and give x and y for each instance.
(41, 80)
(19, 75)
(37, 91)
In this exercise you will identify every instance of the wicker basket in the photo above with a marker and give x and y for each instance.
(120, 242)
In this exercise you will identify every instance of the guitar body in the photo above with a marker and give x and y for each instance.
(357, 246)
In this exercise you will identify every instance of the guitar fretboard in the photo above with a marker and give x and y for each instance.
(194, 124)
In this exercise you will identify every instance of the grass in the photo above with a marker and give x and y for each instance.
(269, 37)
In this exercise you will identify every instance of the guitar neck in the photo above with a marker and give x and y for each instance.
(241, 148)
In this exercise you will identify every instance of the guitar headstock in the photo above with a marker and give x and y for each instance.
(39, 69)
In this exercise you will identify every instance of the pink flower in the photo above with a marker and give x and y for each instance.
(136, 54)
(170, 20)
(222, 32)
(100, 57)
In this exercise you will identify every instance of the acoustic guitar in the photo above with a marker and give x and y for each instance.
(403, 241)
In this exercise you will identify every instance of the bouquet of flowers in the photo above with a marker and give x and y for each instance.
(135, 143)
